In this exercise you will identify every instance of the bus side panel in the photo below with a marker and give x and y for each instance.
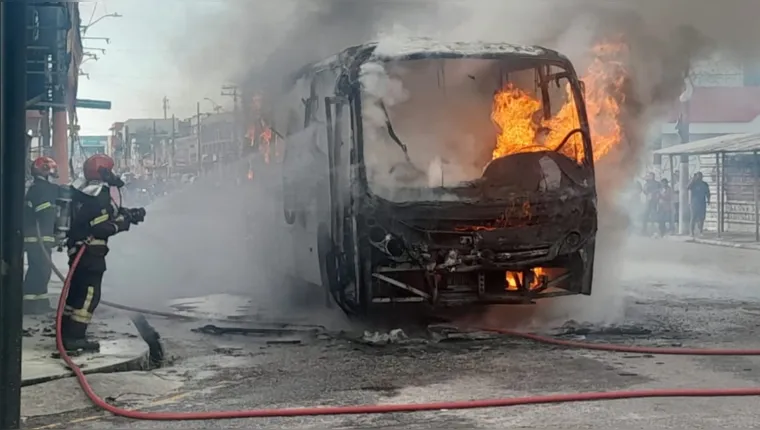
(306, 169)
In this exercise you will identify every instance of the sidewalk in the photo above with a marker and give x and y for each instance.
(727, 239)
(120, 348)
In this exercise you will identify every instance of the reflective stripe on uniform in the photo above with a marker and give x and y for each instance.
(34, 239)
(88, 242)
(43, 206)
(35, 296)
(82, 315)
(99, 220)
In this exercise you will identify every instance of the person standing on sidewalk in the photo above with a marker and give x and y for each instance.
(699, 198)
(676, 199)
(652, 198)
(39, 224)
(665, 208)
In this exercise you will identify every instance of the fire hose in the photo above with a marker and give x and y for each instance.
(62, 278)
(417, 407)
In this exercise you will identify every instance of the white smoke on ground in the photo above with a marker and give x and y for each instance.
(272, 39)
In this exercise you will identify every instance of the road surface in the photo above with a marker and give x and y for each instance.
(664, 293)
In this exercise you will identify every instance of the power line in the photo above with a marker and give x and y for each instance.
(92, 15)
(157, 77)
(141, 50)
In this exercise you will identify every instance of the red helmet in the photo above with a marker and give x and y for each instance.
(45, 166)
(93, 165)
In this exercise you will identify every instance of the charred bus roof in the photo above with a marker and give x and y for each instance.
(424, 48)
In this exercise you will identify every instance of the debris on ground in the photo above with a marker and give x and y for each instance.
(574, 328)
(377, 338)
(447, 333)
(284, 341)
(257, 330)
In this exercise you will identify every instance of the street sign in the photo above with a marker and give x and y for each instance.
(93, 104)
(93, 141)
(88, 146)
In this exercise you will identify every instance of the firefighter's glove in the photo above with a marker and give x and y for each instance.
(122, 221)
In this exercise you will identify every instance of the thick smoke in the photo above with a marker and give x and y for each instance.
(273, 39)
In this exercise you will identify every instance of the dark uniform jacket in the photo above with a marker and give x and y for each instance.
(40, 209)
(95, 218)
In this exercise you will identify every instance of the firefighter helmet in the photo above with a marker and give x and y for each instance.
(44, 166)
(93, 165)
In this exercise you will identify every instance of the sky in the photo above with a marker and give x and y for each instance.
(141, 61)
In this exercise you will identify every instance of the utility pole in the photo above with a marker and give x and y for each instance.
(13, 44)
(153, 145)
(127, 148)
(173, 147)
(198, 133)
(166, 106)
(683, 128)
(232, 91)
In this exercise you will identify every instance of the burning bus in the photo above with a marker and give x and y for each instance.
(439, 174)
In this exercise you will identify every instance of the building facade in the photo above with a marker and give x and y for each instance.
(54, 55)
(725, 101)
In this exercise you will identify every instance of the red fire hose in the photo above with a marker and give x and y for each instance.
(397, 408)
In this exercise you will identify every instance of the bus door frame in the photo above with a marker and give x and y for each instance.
(341, 183)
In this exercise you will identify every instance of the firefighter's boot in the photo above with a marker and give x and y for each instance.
(74, 336)
(81, 344)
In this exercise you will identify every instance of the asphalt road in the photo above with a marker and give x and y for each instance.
(651, 292)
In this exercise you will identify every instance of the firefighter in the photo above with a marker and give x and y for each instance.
(95, 218)
(39, 213)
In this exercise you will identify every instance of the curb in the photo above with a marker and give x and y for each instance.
(723, 244)
(138, 362)
(753, 247)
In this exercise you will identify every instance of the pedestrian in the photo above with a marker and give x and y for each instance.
(651, 199)
(676, 186)
(665, 207)
(699, 198)
(39, 225)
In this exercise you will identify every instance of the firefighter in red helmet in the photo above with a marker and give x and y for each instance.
(94, 219)
(39, 213)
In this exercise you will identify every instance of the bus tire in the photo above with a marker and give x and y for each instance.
(288, 200)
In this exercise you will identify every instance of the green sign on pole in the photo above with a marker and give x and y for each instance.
(93, 104)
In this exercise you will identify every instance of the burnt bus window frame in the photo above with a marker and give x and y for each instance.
(352, 90)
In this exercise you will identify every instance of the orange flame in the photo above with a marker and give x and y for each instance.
(513, 112)
(516, 278)
(266, 140)
(518, 116)
(518, 113)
